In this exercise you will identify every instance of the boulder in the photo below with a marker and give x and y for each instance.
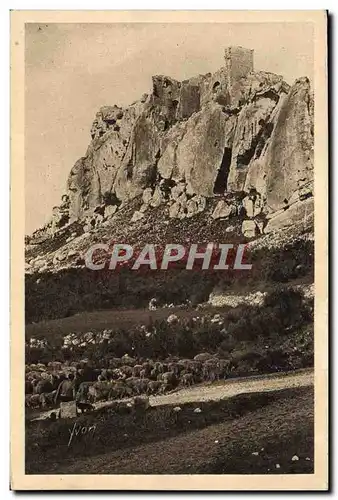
(43, 269)
(200, 201)
(68, 410)
(195, 205)
(249, 228)
(177, 190)
(137, 216)
(222, 210)
(249, 204)
(157, 198)
(109, 210)
(252, 205)
(61, 256)
(174, 210)
(147, 195)
(182, 200)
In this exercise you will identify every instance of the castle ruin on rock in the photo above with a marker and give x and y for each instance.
(239, 133)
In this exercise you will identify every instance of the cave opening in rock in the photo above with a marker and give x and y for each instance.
(174, 105)
(223, 172)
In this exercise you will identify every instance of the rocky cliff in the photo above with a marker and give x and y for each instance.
(234, 132)
(217, 156)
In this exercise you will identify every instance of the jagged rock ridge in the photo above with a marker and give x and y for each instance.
(243, 135)
(234, 131)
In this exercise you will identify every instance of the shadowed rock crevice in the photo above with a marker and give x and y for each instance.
(264, 136)
(257, 144)
(223, 172)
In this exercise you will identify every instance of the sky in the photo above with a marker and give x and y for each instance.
(71, 70)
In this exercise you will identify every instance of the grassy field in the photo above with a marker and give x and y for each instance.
(115, 318)
(249, 433)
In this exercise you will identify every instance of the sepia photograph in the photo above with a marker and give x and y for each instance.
(169, 250)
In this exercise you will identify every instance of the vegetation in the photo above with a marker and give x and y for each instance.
(81, 290)
(228, 431)
(273, 337)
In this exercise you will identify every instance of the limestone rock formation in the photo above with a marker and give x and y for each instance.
(236, 130)
(241, 135)
(289, 156)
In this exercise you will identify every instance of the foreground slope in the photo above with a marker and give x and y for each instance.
(250, 433)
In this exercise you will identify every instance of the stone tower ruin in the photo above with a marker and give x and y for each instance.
(238, 62)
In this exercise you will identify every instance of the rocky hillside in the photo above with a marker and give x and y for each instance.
(218, 157)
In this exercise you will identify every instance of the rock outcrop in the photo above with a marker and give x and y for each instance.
(234, 131)
(242, 135)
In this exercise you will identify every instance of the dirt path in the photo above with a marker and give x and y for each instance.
(231, 388)
(226, 389)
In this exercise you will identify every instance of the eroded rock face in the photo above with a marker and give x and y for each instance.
(138, 168)
(83, 188)
(300, 213)
(236, 131)
(251, 122)
(198, 155)
(189, 102)
(289, 156)
(106, 119)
